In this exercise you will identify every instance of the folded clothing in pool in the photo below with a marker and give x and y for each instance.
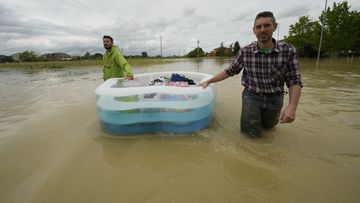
(175, 80)
(175, 77)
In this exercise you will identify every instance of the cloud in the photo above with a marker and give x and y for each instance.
(244, 18)
(20, 33)
(294, 11)
(355, 8)
(189, 11)
(77, 26)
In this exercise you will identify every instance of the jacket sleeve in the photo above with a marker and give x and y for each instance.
(124, 64)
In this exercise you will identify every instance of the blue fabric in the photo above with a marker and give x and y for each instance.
(175, 77)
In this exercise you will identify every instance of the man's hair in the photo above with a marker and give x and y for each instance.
(265, 14)
(108, 37)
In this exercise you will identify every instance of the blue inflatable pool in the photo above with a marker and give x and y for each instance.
(148, 104)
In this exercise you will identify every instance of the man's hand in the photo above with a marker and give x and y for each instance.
(204, 84)
(287, 115)
(218, 77)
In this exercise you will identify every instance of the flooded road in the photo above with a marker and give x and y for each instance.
(52, 148)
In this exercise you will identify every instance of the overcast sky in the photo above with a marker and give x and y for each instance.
(77, 26)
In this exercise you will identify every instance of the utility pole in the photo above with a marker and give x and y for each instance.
(278, 30)
(198, 42)
(321, 36)
(160, 46)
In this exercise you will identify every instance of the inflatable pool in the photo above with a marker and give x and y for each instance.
(153, 102)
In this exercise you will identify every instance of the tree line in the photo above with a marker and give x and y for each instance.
(340, 35)
(32, 56)
(220, 51)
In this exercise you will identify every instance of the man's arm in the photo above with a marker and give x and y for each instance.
(234, 68)
(126, 66)
(218, 77)
(288, 114)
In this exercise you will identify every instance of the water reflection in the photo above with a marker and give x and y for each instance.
(223, 61)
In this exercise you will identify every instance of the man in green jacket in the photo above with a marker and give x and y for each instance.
(115, 65)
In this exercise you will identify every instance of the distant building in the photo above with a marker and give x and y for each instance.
(56, 57)
(221, 51)
(97, 56)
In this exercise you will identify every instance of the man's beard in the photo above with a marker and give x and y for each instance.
(107, 47)
(264, 37)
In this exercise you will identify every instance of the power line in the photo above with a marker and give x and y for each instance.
(198, 42)
(160, 46)
(79, 4)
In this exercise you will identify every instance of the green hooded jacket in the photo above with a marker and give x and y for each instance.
(115, 65)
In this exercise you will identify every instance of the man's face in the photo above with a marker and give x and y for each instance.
(264, 28)
(107, 43)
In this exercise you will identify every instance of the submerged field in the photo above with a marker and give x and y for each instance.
(84, 63)
(53, 148)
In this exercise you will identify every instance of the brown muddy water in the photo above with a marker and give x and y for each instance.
(52, 148)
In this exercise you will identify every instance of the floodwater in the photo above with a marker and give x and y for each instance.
(52, 148)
